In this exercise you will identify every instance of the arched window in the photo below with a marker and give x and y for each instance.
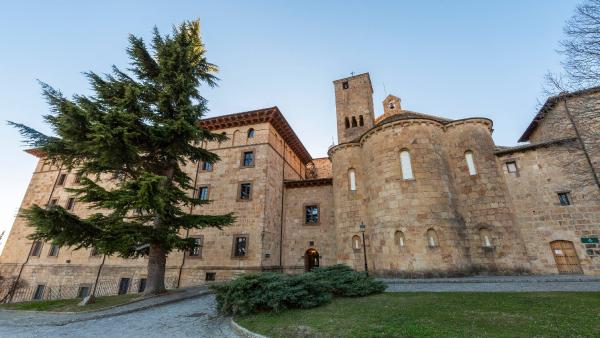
(399, 239)
(470, 163)
(353, 121)
(235, 139)
(352, 180)
(407, 173)
(355, 242)
(432, 239)
(486, 238)
(251, 133)
(361, 122)
(347, 122)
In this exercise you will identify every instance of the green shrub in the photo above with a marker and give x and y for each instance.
(346, 282)
(269, 291)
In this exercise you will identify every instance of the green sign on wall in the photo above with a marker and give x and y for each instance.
(589, 240)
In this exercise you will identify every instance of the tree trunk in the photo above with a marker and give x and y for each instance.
(155, 282)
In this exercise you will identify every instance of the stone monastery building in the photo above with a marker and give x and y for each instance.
(437, 196)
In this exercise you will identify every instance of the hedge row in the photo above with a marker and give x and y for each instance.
(268, 291)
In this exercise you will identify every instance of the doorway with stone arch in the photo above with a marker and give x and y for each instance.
(311, 259)
(566, 258)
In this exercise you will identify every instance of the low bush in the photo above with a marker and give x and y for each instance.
(268, 291)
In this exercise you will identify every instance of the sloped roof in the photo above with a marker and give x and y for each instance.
(407, 114)
(549, 105)
(271, 115)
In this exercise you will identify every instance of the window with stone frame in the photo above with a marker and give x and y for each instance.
(210, 276)
(251, 133)
(39, 293)
(432, 239)
(202, 193)
(142, 285)
(240, 246)
(53, 202)
(311, 214)
(406, 165)
(399, 239)
(83, 291)
(53, 251)
(196, 251)
(94, 252)
(245, 191)
(206, 166)
(61, 179)
(70, 203)
(511, 166)
(36, 249)
(564, 198)
(486, 238)
(351, 180)
(470, 163)
(356, 242)
(248, 158)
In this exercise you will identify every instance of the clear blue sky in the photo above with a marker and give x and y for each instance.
(450, 58)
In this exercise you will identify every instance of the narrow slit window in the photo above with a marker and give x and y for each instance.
(352, 180)
(353, 121)
(347, 122)
(251, 133)
(470, 163)
(486, 239)
(399, 239)
(356, 242)
(361, 121)
(406, 164)
(432, 239)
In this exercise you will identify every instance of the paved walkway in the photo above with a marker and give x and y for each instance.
(166, 316)
(496, 284)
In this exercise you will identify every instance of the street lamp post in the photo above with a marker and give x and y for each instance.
(362, 227)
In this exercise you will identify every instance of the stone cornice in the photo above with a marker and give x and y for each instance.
(526, 147)
(270, 115)
(308, 183)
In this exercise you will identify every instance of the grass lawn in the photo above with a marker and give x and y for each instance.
(70, 305)
(537, 314)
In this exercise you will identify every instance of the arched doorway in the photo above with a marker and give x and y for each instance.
(311, 259)
(566, 258)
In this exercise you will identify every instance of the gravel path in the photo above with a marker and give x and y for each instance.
(195, 317)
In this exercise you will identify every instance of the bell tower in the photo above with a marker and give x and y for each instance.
(354, 106)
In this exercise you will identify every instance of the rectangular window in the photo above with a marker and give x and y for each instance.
(210, 276)
(470, 163)
(53, 202)
(36, 249)
(39, 292)
(83, 291)
(203, 193)
(142, 285)
(70, 203)
(511, 167)
(207, 166)
(61, 179)
(564, 198)
(95, 252)
(78, 178)
(124, 285)
(197, 250)
(240, 244)
(245, 191)
(311, 214)
(248, 159)
(53, 252)
(345, 85)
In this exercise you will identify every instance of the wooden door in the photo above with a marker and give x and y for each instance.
(566, 258)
